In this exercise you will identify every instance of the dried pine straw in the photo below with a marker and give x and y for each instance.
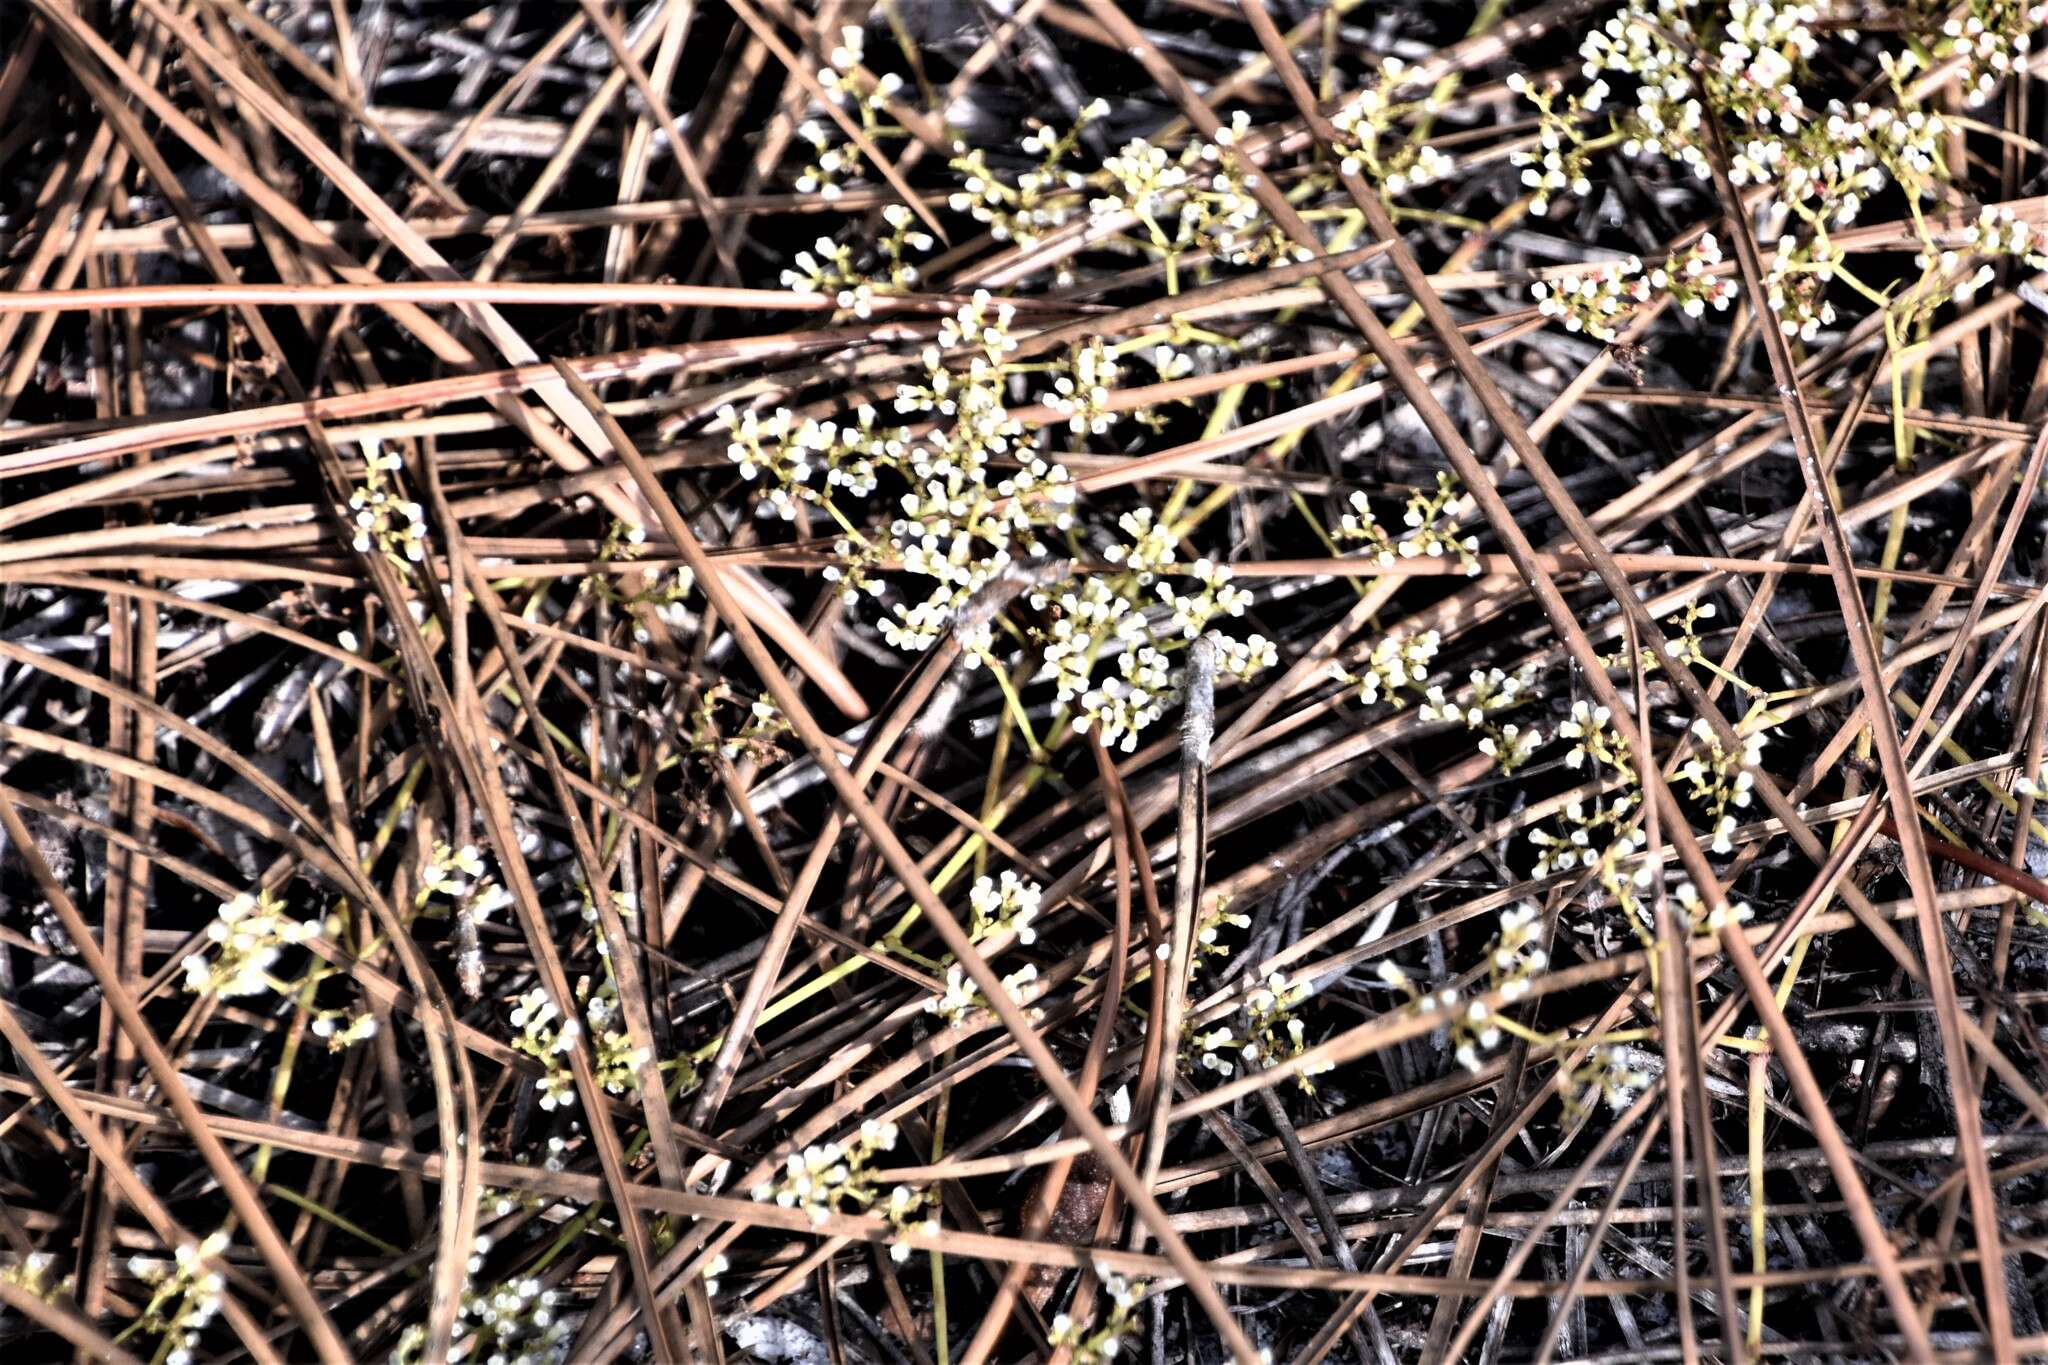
(1027, 681)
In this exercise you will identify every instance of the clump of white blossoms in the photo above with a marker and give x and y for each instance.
(1102, 616)
(1396, 664)
(1191, 198)
(249, 934)
(1757, 50)
(1796, 284)
(1515, 958)
(1632, 895)
(1595, 833)
(962, 519)
(837, 161)
(1604, 297)
(1717, 779)
(1007, 903)
(1490, 693)
(831, 1178)
(1209, 933)
(1082, 394)
(385, 521)
(1107, 1341)
(1562, 159)
(31, 1274)
(185, 1297)
(514, 1322)
(831, 268)
(1039, 200)
(1595, 741)
(615, 1060)
(664, 591)
(1609, 1075)
(962, 1000)
(1273, 1032)
(774, 453)
(548, 1037)
(1819, 165)
(341, 1030)
(1145, 179)
(1268, 1034)
(1993, 37)
(1999, 232)
(1703, 917)
(1429, 521)
(459, 876)
(757, 733)
(1370, 141)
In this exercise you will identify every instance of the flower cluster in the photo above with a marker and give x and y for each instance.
(617, 1061)
(1563, 154)
(1097, 614)
(1081, 395)
(1208, 933)
(545, 1035)
(757, 734)
(714, 734)
(1757, 48)
(961, 521)
(1820, 166)
(1997, 232)
(1513, 961)
(774, 452)
(1716, 779)
(1683, 644)
(1491, 692)
(1704, 918)
(1993, 37)
(1008, 903)
(962, 999)
(1194, 199)
(185, 1296)
(250, 933)
(1833, 165)
(342, 1030)
(783, 455)
(1042, 199)
(1396, 664)
(837, 163)
(386, 522)
(1606, 296)
(31, 1274)
(831, 1178)
(1608, 1074)
(1214, 596)
(1367, 142)
(830, 268)
(664, 592)
(1470, 1029)
(1796, 283)
(1596, 833)
(516, 1320)
(459, 875)
(1629, 893)
(1106, 1342)
(1595, 739)
(1430, 522)
(1272, 1034)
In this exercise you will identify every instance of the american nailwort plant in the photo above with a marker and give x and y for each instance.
(1085, 783)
